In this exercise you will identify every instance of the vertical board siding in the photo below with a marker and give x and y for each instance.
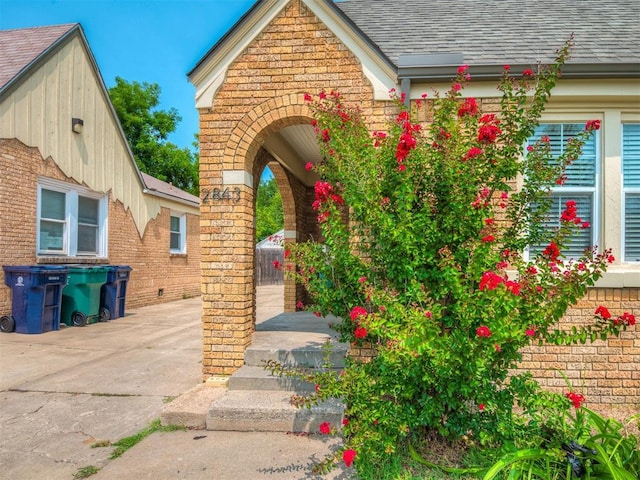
(266, 273)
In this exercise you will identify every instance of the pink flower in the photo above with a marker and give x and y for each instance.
(530, 332)
(483, 331)
(357, 312)
(325, 428)
(428, 314)
(575, 398)
(308, 166)
(456, 87)
(299, 305)
(462, 69)
(348, 456)
(362, 279)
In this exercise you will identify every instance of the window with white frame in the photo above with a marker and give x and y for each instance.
(178, 229)
(631, 191)
(72, 220)
(579, 184)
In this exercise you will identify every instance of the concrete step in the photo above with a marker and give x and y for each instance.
(294, 348)
(257, 378)
(269, 411)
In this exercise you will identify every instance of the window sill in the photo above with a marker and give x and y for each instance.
(620, 276)
(177, 255)
(54, 260)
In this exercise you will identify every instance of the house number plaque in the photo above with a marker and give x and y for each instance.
(219, 194)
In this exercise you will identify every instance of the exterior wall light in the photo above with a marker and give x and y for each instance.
(77, 124)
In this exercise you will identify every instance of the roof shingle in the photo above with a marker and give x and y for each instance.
(20, 47)
(496, 32)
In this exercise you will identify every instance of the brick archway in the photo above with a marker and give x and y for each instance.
(228, 229)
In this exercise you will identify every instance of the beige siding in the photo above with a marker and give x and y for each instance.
(39, 111)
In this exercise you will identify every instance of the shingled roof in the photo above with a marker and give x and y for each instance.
(21, 48)
(497, 32)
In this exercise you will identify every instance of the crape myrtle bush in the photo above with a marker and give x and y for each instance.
(422, 257)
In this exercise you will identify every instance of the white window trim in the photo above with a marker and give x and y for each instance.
(183, 233)
(70, 241)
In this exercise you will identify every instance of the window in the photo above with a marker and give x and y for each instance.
(178, 229)
(579, 185)
(72, 220)
(631, 191)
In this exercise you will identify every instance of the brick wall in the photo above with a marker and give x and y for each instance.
(263, 93)
(153, 268)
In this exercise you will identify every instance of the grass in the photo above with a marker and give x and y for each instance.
(126, 443)
(85, 472)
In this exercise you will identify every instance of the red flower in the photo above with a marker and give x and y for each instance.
(472, 153)
(498, 348)
(592, 125)
(481, 407)
(317, 388)
(575, 398)
(527, 73)
(611, 259)
(325, 428)
(345, 421)
(490, 281)
(552, 251)
(488, 239)
(360, 332)
(530, 332)
(483, 331)
(307, 97)
(277, 265)
(348, 456)
(357, 312)
(325, 135)
(299, 305)
(362, 279)
(488, 133)
(603, 312)
(308, 166)
(287, 253)
(318, 314)
(628, 318)
(462, 69)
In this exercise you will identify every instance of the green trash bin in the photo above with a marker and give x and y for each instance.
(81, 296)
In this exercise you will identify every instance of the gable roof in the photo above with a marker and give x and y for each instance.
(22, 48)
(498, 32)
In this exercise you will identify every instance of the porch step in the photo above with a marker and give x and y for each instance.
(269, 411)
(257, 401)
(257, 378)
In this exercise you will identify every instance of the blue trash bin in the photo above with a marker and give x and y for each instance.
(36, 298)
(114, 292)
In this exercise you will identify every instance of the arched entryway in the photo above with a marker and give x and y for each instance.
(277, 134)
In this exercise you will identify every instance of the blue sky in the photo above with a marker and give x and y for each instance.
(155, 41)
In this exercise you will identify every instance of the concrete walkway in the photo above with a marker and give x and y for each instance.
(62, 392)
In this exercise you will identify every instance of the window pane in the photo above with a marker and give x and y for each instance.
(582, 238)
(52, 204)
(582, 171)
(88, 210)
(632, 228)
(631, 154)
(175, 224)
(175, 241)
(51, 236)
(87, 239)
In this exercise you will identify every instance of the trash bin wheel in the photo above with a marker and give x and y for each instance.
(105, 314)
(7, 324)
(78, 319)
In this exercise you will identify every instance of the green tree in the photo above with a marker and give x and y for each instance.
(147, 130)
(269, 215)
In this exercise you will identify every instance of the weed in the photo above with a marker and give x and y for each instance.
(126, 443)
(85, 472)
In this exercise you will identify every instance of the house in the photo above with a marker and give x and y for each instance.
(250, 90)
(70, 191)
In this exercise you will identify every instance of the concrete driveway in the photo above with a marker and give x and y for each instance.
(62, 392)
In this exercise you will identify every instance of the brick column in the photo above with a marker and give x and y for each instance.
(228, 288)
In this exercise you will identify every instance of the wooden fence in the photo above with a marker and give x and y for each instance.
(266, 273)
